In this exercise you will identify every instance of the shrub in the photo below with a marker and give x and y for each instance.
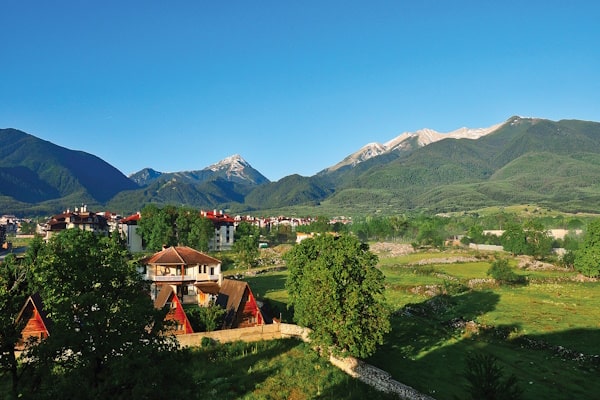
(501, 272)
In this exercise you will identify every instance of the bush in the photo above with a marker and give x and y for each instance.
(501, 272)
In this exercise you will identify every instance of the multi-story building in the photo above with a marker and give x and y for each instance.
(128, 229)
(81, 218)
(224, 230)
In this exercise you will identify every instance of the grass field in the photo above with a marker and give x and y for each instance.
(279, 369)
(544, 333)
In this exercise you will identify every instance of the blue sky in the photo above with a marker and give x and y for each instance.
(292, 86)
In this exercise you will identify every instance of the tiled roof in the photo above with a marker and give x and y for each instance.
(131, 218)
(181, 255)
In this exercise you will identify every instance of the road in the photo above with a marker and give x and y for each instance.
(18, 250)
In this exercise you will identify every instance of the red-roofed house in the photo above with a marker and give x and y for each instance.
(81, 218)
(176, 314)
(224, 230)
(128, 228)
(182, 268)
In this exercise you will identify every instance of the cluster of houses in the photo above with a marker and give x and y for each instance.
(222, 240)
(178, 275)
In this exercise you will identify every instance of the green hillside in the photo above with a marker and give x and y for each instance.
(525, 161)
(34, 171)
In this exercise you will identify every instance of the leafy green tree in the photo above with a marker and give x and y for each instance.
(587, 257)
(247, 237)
(336, 291)
(539, 242)
(476, 235)
(27, 228)
(193, 229)
(157, 227)
(14, 289)
(320, 225)
(486, 380)
(105, 327)
(205, 319)
(431, 233)
(501, 272)
(514, 239)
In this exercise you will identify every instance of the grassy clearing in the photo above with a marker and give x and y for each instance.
(522, 326)
(271, 286)
(277, 369)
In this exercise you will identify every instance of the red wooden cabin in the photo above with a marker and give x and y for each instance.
(240, 305)
(167, 297)
(37, 324)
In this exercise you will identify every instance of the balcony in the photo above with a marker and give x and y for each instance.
(206, 277)
(173, 278)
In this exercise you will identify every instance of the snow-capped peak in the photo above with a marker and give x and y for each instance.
(233, 162)
(423, 137)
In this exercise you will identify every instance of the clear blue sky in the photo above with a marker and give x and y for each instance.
(292, 86)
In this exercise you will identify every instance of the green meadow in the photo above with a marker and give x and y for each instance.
(546, 332)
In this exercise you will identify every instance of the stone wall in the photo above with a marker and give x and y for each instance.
(485, 247)
(253, 334)
(377, 378)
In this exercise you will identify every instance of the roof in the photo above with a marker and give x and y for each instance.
(181, 255)
(35, 300)
(208, 287)
(131, 219)
(231, 294)
(217, 217)
(163, 296)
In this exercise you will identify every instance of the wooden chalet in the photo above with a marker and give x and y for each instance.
(34, 317)
(168, 298)
(241, 309)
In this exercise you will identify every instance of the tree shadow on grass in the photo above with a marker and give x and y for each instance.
(430, 341)
(428, 324)
(233, 370)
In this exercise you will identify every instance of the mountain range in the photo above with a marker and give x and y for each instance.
(520, 161)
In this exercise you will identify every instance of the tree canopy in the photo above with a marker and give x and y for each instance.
(104, 325)
(13, 292)
(336, 291)
(587, 257)
(171, 226)
(247, 237)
